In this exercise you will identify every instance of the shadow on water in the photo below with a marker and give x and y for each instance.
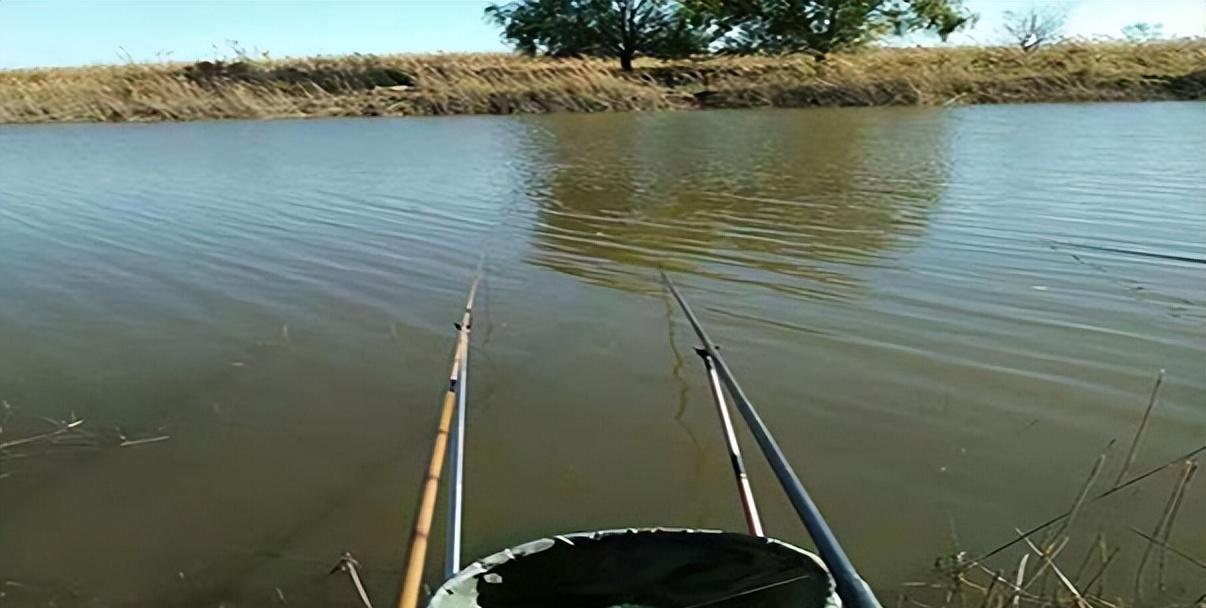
(783, 200)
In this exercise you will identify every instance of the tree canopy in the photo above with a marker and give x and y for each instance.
(1143, 32)
(675, 28)
(822, 26)
(602, 28)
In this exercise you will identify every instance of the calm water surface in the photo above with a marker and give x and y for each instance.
(898, 289)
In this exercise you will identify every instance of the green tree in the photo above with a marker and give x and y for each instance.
(544, 27)
(822, 26)
(1143, 32)
(601, 28)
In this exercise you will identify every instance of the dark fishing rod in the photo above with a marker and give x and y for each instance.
(853, 590)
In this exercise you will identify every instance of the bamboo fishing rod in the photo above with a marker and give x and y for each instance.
(413, 576)
(851, 588)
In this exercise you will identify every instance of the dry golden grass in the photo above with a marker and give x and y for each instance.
(406, 85)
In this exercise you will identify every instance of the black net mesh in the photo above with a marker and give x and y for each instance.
(652, 568)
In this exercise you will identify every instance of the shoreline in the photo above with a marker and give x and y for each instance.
(476, 84)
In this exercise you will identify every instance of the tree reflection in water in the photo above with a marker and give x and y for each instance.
(783, 199)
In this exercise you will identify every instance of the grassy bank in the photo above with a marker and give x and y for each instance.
(408, 85)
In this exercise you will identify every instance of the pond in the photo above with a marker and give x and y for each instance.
(944, 315)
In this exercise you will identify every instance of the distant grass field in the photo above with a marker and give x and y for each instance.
(423, 85)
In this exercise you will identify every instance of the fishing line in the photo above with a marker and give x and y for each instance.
(1131, 287)
(1136, 252)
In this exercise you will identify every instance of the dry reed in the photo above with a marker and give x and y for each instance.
(347, 563)
(1147, 413)
(407, 85)
(961, 578)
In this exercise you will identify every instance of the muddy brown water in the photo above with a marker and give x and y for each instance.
(900, 290)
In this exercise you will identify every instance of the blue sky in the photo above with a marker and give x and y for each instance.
(57, 32)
